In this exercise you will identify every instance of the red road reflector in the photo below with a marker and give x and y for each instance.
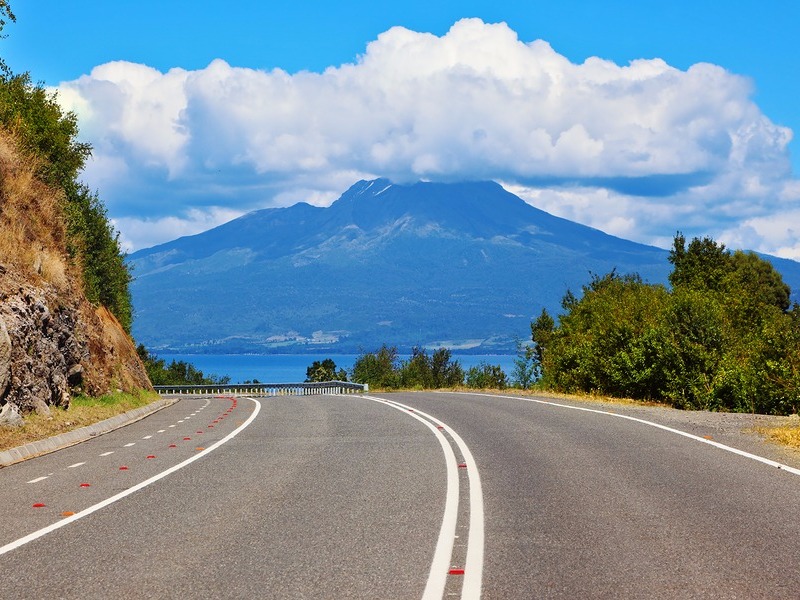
(211, 426)
(173, 445)
(85, 485)
(123, 468)
(462, 465)
(186, 438)
(455, 572)
(199, 432)
(440, 427)
(151, 456)
(39, 505)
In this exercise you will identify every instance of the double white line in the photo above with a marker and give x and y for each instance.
(440, 566)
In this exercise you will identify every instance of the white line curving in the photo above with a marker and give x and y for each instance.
(95, 507)
(473, 567)
(691, 436)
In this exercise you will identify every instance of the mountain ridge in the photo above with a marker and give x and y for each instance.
(466, 265)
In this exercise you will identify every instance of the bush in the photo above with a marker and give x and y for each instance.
(325, 371)
(486, 376)
(722, 339)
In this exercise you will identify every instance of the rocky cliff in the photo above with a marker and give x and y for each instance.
(53, 342)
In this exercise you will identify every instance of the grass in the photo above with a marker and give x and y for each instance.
(788, 435)
(83, 411)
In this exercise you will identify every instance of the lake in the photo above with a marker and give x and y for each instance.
(291, 368)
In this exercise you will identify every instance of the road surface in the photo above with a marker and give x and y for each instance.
(419, 495)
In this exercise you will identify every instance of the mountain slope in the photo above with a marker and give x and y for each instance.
(465, 265)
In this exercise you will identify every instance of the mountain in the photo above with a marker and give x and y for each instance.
(465, 265)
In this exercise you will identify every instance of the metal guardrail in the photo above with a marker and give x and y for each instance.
(266, 389)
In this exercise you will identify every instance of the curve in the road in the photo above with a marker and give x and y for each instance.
(761, 459)
(440, 565)
(127, 492)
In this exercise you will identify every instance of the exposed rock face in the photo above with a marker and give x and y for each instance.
(53, 342)
(56, 344)
(43, 345)
(5, 358)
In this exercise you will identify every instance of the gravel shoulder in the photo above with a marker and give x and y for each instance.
(738, 430)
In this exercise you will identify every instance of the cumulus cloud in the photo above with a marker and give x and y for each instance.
(639, 150)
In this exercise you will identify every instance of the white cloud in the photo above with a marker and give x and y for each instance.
(638, 150)
(143, 232)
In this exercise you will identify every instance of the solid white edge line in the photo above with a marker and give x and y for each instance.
(95, 507)
(440, 565)
(691, 436)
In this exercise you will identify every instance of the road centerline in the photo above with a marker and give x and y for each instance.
(440, 566)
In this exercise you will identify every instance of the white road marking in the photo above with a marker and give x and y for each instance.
(473, 566)
(107, 453)
(38, 479)
(161, 431)
(95, 507)
(691, 436)
(172, 425)
(76, 465)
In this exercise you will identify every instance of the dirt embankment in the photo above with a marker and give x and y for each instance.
(53, 342)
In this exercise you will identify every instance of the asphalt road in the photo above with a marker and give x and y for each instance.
(426, 495)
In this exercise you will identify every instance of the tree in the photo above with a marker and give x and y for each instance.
(175, 373)
(325, 371)
(5, 16)
(527, 369)
(444, 371)
(485, 375)
(49, 136)
(378, 369)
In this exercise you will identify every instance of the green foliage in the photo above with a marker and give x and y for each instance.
(50, 137)
(325, 371)
(5, 16)
(93, 241)
(486, 376)
(721, 339)
(176, 372)
(378, 369)
(382, 369)
(527, 367)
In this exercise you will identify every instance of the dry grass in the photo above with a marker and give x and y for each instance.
(788, 434)
(82, 412)
(32, 231)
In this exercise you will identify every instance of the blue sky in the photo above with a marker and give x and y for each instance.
(158, 187)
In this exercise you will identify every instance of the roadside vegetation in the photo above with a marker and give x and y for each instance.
(48, 137)
(177, 372)
(724, 337)
(383, 369)
(83, 411)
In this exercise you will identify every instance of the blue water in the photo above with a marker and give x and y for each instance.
(291, 368)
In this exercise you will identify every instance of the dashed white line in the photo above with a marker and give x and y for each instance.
(38, 479)
(147, 437)
(129, 445)
(94, 508)
(76, 465)
(161, 431)
(107, 453)
(172, 425)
